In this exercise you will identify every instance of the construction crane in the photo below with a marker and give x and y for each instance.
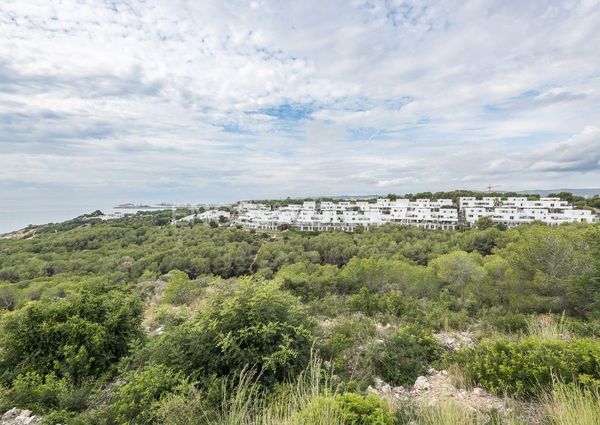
(489, 187)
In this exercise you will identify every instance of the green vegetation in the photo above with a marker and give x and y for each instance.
(405, 355)
(529, 366)
(137, 321)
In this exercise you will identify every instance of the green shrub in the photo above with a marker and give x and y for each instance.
(404, 356)
(345, 409)
(507, 322)
(79, 336)
(529, 366)
(136, 401)
(169, 316)
(343, 341)
(320, 410)
(364, 410)
(307, 280)
(344, 333)
(190, 408)
(180, 289)
(247, 323)
(365, 302)
(41, 394)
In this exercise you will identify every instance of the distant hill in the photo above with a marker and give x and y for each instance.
(579, 192)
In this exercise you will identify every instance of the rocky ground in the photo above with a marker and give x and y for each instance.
(438, 387)
(26, 233)
(19, 417)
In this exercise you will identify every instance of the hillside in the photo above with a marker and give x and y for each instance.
(138, 321)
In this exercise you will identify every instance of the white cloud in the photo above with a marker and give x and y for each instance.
(266, 98)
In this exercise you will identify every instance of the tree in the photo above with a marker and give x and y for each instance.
(499, 280)
(484, 223)
(458, 270)
(334, 247)
(559, 266)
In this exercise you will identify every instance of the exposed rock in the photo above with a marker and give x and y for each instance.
(384, 330)
(326, 324)
(421, 384)
(154, 290)
(436, 387)
(19, 417)
(153, 332)
(454, 341)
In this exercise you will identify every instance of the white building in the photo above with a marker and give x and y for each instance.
(519, 210)
(347, 215)
(206, 216)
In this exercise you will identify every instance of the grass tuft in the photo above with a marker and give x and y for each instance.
(571, 404)
(546, 326)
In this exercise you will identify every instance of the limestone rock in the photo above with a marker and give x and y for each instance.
(421, 384)
(19, 417)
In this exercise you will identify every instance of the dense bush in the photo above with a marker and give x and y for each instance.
(504, 321)
(364, 410)
(247, 323)
(136, 400)
(180, 289)
(77, 337)
(529, 366)
(342, 343)
(346, 409)
(405, 355)
(307, 280)
(43, 394)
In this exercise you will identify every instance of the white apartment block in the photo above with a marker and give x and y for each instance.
(519, 210)
(347, 215)
(423, 213)
(206, 216)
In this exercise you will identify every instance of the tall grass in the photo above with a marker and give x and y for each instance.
(546, 326)
(247, 404)
(572, 405)
(450, 413)
(447, 413)
(307, 393)
(459, 377)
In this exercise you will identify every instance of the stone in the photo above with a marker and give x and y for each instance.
(16, 416)
(421, 384)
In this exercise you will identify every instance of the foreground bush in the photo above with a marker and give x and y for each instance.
(79, 336)
(136, 401)
(249, 323)
(529, 366)
(346, 409)
(406, 355)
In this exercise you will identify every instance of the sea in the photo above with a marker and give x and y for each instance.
(15, 217)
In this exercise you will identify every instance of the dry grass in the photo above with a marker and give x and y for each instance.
(247, 405)
(448, 413)
(451, 413)
(546, 326)
(573, 405)
(460, 378)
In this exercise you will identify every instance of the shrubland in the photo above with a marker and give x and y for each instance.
(140, 322)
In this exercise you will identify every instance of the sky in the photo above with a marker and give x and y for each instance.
(105, 102)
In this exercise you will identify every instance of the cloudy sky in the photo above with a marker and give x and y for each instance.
(221, 100)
